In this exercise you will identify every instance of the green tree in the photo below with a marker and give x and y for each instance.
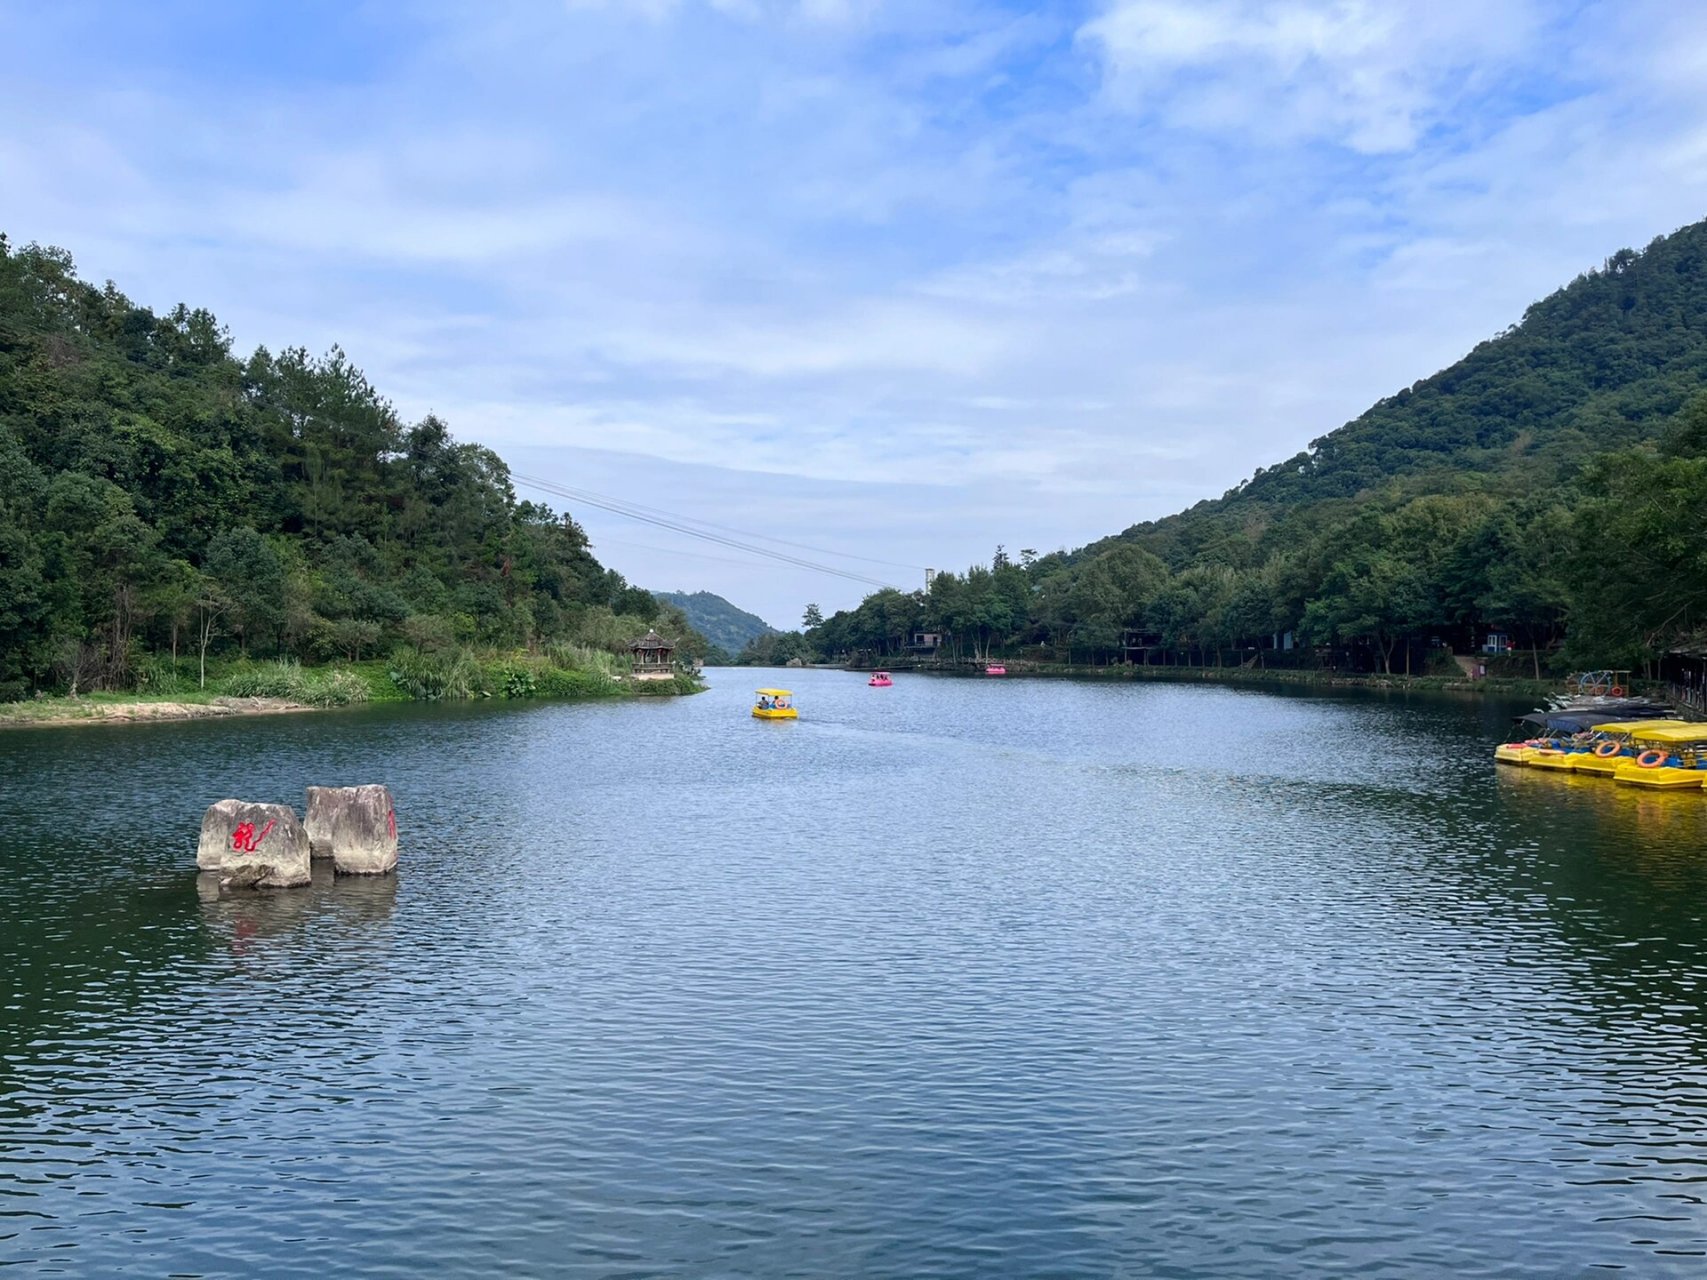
(250, 579)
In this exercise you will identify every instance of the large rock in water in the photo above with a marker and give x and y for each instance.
(356, 827)
(323, 802)
(260, 845)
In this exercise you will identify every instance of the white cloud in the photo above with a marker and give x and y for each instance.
(1371, 74)
(908, 279)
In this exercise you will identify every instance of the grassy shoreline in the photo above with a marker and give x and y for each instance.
(247, 689)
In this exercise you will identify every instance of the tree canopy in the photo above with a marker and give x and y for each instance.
(1551, 486)
(158, 491)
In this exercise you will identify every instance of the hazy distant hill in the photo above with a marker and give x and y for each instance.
(720, 622)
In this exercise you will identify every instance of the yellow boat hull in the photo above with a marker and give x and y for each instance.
(774, 713)
(1631, 774)
(1606, 766)
(1547, 758)
(1511, 753)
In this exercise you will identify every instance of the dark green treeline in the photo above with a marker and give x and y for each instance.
(1552, 485)
(161, 496)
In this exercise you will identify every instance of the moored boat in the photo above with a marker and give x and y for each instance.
(1568, 737)
(995, 669)
(1667, 756)
(1555, 753)
(1609, 745)
(1551, 739)
(1512, 752)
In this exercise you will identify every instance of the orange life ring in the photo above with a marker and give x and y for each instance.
(1607, 748)
(1650, 759)
(1617, 691)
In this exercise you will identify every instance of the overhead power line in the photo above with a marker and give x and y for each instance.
(589, 496)
(684, 551)
(661, 520)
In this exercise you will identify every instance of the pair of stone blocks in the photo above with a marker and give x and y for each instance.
(265, 846)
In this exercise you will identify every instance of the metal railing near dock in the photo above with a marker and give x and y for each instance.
(1690, 696)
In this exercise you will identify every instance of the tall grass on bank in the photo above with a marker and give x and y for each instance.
(430, 675)
(286, 679)
(579, 657)
(562, 671)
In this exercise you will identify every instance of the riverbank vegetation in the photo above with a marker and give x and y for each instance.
(175, 690)
(1549, 488)
(164, 501)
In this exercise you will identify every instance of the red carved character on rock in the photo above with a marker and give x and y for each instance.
(245, 839)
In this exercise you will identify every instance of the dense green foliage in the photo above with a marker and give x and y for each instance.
(779, 648)
(161, 496)
(1552, 485)
(728, 629)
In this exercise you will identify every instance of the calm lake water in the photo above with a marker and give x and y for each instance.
(959, 978)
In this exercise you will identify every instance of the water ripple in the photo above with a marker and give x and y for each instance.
(963, 978)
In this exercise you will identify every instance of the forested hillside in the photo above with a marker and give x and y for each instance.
(161, 496)
(726, 627)
(1600, 365)
(1551, 485)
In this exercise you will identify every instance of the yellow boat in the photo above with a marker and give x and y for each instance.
(1556, 750)
(1567, 739)
(1603, 759)
(1672, 756)
(774, 704)
(1512, 752)
(1556, 736)
(1556, 753)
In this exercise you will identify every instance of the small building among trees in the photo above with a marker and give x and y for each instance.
(653, 657)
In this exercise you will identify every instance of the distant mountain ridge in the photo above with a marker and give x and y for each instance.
(1550, 487)
(729, 628)
(1601, 364)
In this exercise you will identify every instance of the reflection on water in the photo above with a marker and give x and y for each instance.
(1663, 832)
(959, 978)
(356, 900)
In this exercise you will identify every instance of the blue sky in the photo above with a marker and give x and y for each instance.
(901, 278)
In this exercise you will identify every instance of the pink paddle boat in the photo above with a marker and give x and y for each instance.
(995, 669)
(880, 680)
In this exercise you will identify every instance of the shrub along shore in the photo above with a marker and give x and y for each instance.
(175, 691)
(1305, 678)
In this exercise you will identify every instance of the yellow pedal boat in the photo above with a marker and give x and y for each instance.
(1512, 752)
(1603, 759)
(774, 704)
(1568, 741)
(1667, 756)
(1551, 756)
